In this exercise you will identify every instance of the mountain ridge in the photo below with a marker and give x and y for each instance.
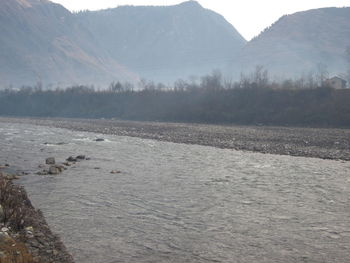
(164, 36)
(43, 42)
(299, 43)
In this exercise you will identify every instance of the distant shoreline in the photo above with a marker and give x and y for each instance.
(325, 143)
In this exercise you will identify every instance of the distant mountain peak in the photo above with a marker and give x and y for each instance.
(191, 3)
(185, 4)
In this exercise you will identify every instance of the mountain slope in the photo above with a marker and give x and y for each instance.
(42, 41)
(165, 42)
(300, 42)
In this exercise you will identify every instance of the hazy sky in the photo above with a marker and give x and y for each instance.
(249, 17)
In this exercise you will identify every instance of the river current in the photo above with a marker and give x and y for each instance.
(182, 203)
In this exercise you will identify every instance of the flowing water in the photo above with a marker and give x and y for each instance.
(183, 203)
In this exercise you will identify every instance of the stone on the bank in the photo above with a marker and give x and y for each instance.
(5, 229)
(2, 214)
(4, 237)
(29, 228)
(29, 231)
(50, 160)
(10, 176)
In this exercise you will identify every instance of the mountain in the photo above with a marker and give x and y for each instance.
(301, 43)
(165, 42)
(43, 42)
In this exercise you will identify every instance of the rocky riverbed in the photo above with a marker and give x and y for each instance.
(308, 142)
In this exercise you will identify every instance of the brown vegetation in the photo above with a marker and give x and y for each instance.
(14, 252)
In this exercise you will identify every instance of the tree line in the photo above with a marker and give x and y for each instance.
(254, 100)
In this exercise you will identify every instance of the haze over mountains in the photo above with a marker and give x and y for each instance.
(300, 42)
(44, 42)
(165, 42)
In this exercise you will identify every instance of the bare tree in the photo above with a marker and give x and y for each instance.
(260, 77)
(212, 81)
(347, 57)
(322, 73)
(116, 87)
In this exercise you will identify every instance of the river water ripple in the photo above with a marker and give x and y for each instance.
(183, 203)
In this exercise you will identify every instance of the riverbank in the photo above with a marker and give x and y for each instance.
(294, 141)
(25, 236)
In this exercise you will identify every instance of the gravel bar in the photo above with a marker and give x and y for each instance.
(325, 143)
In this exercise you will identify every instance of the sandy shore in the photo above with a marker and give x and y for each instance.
(309, 142)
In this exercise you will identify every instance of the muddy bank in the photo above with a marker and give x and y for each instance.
(307, 142)
(25, 237)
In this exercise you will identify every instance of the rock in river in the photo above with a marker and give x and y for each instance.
(54, 170)
(71, 159)
(50, 160)
(81, 157)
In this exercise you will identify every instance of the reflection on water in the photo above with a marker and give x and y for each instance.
(183, 203)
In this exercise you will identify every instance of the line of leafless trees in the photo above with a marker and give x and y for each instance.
(254, 99)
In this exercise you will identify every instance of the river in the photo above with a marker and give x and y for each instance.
(182, 203)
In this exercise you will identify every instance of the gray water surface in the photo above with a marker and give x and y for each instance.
(183, 203)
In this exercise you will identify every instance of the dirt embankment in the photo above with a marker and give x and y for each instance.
(25, 236)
